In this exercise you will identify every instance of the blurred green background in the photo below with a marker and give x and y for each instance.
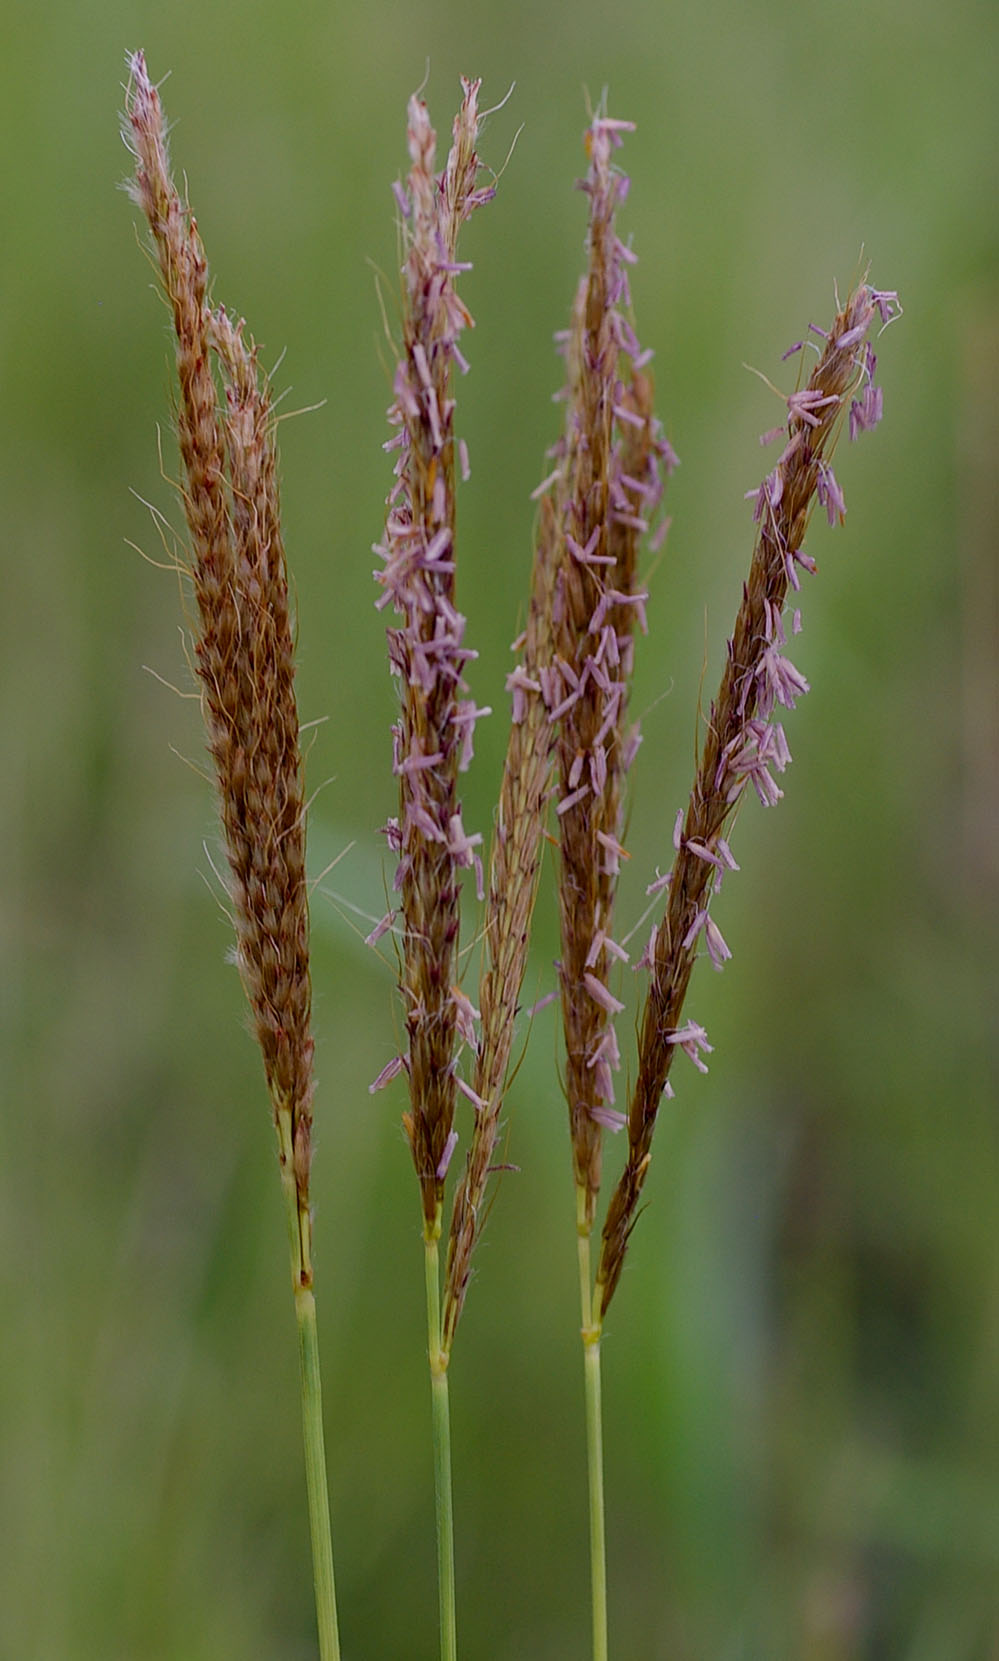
(802, 1362)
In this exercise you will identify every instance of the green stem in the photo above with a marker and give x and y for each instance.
(594, 1435)
(442, 1454)
(300, 1242)
(315, 1476)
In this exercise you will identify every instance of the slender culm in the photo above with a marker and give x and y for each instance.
(244, 654)
(743, 745)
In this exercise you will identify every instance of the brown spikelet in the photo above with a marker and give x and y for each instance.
(184, 270)
(592, 369)
(263, 804)
(244, 647)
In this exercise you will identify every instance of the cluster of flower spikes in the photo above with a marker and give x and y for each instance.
(432, 740)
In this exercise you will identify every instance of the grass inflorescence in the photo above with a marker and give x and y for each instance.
(570, 746)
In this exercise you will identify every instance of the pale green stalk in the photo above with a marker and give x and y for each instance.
(442, 1450)
(300, 1243)
(591, 1331)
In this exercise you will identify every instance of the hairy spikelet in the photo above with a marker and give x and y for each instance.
(612, 461)
(262, 799)
(433, 736)
(743, 743)
(244, 647)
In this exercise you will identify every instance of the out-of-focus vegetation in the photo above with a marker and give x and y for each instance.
(803, 1359)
